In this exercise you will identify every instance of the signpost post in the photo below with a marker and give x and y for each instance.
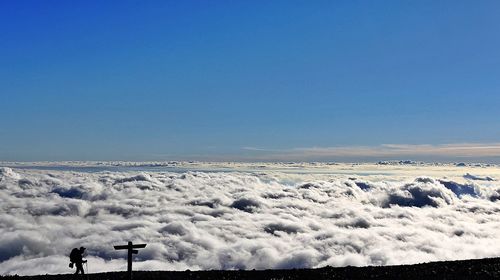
(130, 247)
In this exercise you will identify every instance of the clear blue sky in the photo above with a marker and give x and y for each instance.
(160, 80)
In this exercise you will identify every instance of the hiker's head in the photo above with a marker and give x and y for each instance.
(82, 249)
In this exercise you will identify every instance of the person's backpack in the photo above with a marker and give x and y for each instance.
(73, 257)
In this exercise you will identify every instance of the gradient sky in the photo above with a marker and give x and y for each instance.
(161, 80)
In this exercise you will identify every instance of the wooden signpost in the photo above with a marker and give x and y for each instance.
(130, 247)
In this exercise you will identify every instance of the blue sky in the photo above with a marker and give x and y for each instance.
(247, 80)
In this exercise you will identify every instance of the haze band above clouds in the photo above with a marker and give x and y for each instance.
(449, 151)
(238, 220)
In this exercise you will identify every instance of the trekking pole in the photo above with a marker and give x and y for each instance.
(87, 265)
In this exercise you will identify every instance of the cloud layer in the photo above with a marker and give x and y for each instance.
(239, 220)
(429, 152)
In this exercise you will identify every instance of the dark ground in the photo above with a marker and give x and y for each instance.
(466, 269)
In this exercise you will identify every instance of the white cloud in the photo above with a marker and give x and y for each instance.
(232, 220)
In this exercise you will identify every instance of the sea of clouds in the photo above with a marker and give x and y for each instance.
(242, 220)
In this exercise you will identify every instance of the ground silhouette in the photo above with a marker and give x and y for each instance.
(466, 269)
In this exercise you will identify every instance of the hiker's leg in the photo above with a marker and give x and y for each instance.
(79, 268)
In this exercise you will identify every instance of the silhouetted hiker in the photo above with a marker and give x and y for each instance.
(76, 258)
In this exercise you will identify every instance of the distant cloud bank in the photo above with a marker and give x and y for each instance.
(241, 220)
(446, 151)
